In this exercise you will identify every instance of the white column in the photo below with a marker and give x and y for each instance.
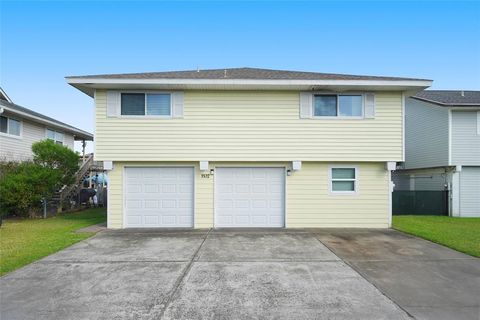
(390, 166)
(455, 194)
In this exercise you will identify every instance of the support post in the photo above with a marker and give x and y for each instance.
(84, 144)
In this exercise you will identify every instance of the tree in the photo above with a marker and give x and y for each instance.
(48, 154)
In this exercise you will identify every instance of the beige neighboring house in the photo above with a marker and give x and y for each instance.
(248, 147)
(21, 127)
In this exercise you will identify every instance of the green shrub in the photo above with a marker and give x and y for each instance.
(23, 185)
(22, 189)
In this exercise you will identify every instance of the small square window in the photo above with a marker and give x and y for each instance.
(56, 136)
(343, 180)
(350, 106)
(133, 104)
(158, 104)
(10, 126)
(325, 106)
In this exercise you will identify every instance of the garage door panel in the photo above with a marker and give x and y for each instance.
(249, 197)
(159, 197)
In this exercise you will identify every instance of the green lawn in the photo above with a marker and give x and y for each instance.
(462, 234)
(24, 241)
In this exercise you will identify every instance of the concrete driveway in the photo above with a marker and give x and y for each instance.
(194, 275)
(427, 280)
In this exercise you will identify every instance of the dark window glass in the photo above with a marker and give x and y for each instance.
(325, 106)
(3, 124)
(133, 104)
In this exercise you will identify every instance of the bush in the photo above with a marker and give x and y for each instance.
(48, 154)
(23, 185)
(23, 188)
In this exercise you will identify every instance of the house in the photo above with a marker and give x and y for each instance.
(442, 134)
(248, 147)
(21, 127)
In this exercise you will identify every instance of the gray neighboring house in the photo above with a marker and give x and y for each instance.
(442, 148)
(21, 127)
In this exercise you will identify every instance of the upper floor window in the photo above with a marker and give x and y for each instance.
(10, 126)
(150, 104)
(56, 136)
(343, 180)
(336, 105)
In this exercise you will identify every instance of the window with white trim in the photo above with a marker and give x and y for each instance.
(146, 104)
(343, 180)
(55, 136)
(478, 122)
(338, 105)
(10, 126)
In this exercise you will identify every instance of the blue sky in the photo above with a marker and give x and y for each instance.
(42, 42)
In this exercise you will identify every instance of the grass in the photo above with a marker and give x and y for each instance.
(461, 234)
(23, 241)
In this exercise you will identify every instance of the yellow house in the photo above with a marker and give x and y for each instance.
(248, 147)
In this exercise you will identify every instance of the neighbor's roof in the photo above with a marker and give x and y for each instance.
(244, 79)
(4, 96)
(38, 117)
(450, 97)
(241, 73)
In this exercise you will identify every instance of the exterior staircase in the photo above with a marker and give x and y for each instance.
(70, 192)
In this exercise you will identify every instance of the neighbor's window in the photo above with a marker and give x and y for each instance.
(338, 105)
(344, 180)
(56, 136)
(151, 104)
(9, 126)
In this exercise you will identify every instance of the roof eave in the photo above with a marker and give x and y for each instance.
(78, 134)
(88, 85)
(449, 105)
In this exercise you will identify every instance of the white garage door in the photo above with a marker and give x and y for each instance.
(470, 192)
(249, 197)
(158, 197)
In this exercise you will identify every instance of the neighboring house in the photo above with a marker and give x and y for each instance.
(442, 133)
(21, 127)
(248, 147)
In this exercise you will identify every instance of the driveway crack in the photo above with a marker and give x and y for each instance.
(169, 297)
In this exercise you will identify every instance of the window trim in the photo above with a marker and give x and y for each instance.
(63, 135)
(355, 181)
(338, 116)
(132, 116)
(478, 122)
(6, 134)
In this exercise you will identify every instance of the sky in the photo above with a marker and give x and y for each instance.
(42, 42)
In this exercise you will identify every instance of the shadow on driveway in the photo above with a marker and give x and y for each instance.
(427, 280)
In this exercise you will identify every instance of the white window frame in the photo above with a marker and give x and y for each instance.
(478, 122)
(331, 180)
(6, 134)
(56, 131)
(147, 115)
(338, 116)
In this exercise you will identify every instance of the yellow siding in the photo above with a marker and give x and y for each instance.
(250, 126)
(309, 203)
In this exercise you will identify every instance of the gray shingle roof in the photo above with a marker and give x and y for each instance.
(15, 107)
(450, 97)
(241, 73)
